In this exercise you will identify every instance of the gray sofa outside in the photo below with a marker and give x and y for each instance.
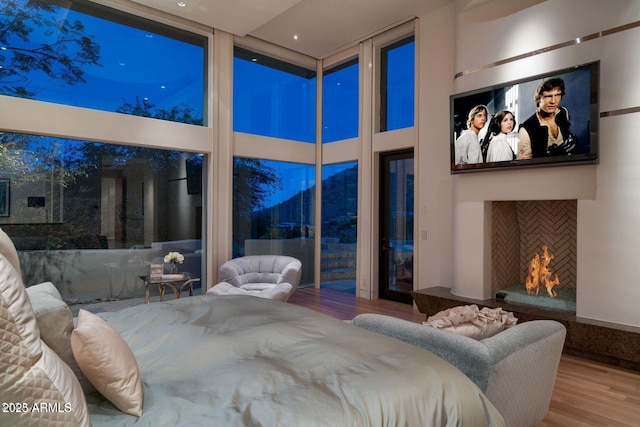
(515, 368)
(89, 274)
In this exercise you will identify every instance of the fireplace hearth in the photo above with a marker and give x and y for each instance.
(564, 300)
(601, 341)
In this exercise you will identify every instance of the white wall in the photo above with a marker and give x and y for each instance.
(435, 41)
(608, 194)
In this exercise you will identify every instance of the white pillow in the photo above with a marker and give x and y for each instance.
(107, 361)
(32, 374)
(55, 322)
(469, 321)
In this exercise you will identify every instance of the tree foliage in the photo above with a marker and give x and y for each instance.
(253, 182)
(32, 158)
(142, 107)
(29, 159)
(63, 57)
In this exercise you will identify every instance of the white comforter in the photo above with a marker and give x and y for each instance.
(247, 361)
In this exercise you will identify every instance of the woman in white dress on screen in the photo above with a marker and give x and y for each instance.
(501, 125)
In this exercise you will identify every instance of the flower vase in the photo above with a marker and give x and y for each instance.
(174, 268)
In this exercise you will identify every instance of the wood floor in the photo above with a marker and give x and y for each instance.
(586, 394)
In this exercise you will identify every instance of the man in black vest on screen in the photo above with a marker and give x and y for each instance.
(546, 132)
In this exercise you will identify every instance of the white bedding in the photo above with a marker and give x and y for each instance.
(246, 361)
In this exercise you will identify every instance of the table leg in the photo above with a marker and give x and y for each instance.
(146, 292)
(161, 287)
(188, 283)
(176, 290)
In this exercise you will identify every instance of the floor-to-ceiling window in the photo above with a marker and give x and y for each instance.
(274, 101)
(274, 210)
(88, 215)
(339, 218)
(339, 226)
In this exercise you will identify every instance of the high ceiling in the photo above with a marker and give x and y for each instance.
(316, 28)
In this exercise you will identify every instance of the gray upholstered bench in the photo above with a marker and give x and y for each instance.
(515, 368)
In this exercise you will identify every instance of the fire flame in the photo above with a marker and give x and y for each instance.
(540, 274)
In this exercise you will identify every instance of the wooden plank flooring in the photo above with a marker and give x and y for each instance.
(346, 306)
(586, 394)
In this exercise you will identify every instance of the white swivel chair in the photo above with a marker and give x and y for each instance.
(266, 276)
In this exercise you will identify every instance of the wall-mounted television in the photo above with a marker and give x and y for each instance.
(543, 120)
(194, 174)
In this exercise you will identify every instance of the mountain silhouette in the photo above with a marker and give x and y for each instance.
(296, 215)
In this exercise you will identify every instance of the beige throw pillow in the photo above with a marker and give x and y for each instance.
(472, 322)
(33, 376)
(107, 361)
(55, 321)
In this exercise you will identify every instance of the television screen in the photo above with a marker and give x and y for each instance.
(549, 119)
(194, 175)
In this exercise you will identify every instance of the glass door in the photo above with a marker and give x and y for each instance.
(396, 226)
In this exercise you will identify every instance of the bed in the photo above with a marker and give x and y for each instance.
(214, 361)
(246, 361)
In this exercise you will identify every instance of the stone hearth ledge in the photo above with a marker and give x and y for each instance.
(617, 345)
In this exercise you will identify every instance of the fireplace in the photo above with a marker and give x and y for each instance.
(518, 231)
(533, 252)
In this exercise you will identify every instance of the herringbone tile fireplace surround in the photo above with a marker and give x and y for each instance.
(520, 229)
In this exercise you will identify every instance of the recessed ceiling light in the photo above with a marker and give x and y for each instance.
(295, 37)
(181, 4)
